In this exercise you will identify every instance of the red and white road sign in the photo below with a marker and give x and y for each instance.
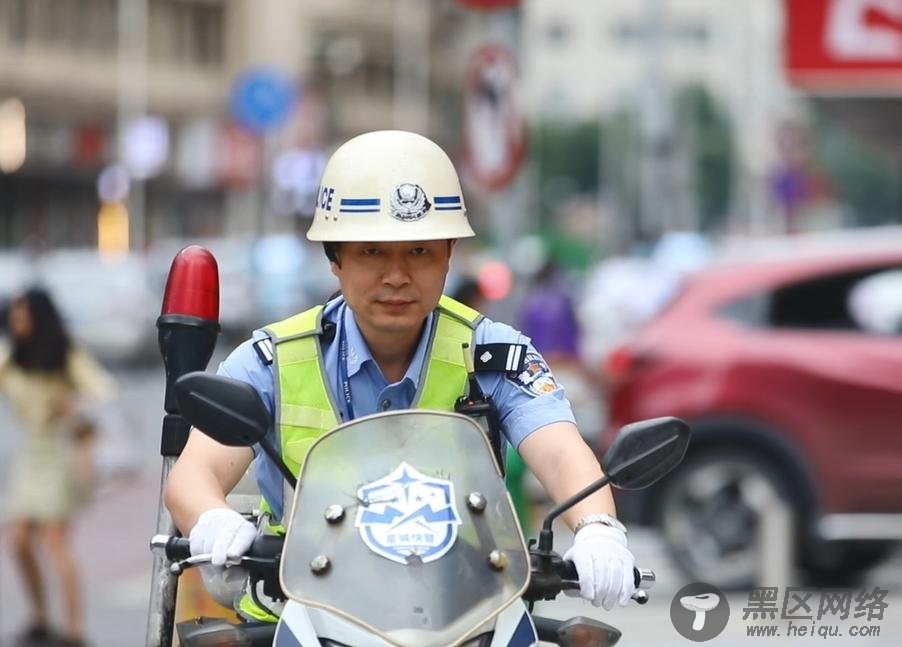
(494, 128)
(238, 156)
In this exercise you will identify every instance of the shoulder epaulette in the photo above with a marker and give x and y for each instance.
(264, 350)
(505, 358)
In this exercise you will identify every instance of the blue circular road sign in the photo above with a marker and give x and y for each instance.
(262, 99)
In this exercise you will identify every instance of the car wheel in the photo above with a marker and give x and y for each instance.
(710, 520)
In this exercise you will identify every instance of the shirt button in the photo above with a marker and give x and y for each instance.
(386, 405)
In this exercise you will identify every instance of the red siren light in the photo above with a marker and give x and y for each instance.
(192, 288)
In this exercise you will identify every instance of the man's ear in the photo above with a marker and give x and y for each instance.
(452, 243)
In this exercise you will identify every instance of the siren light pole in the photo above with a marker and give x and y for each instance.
(187, 330)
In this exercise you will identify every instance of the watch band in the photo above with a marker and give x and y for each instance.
(602, 518)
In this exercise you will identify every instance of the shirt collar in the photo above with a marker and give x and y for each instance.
(359, 352)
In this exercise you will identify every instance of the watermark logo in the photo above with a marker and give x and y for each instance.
(699, 612)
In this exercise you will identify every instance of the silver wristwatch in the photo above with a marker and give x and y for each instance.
(602, 518)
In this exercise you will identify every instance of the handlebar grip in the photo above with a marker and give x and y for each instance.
(567, 571)
(177, 549)
(266, 547)
(643, 578)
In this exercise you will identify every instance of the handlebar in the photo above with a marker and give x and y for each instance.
(263, 557)
(643, 578)
(550, 575)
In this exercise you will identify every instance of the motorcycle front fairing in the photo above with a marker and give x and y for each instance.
(402, 525)
(301, 626)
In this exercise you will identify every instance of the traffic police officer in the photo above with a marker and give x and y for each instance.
(389, 212)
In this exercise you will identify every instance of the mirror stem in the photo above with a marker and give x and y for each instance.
(546, 537)
(277, 459)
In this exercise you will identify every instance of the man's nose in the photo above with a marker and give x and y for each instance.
(396, 273)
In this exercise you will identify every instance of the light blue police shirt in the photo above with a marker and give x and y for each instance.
(521, 410)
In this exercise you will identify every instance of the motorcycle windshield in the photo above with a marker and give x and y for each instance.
(409, 558)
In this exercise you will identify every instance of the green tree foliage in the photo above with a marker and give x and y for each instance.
(861, 176)
(705, 128)
(566, 156)
(568, 150)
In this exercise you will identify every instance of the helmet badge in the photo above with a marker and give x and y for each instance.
(408, 202)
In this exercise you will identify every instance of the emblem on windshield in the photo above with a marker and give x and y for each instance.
(408, 514)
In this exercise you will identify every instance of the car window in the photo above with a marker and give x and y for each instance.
(875, 302)
(826, 302)
(751, 310)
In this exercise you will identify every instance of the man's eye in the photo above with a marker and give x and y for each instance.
(371, 251)
(419, 251)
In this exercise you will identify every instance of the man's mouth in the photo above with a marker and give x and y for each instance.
(394, 303)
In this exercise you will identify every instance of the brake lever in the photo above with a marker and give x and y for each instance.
(179, 567)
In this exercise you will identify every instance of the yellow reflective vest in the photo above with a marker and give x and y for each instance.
(305, 407)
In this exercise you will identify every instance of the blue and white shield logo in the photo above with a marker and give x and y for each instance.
(408, 514)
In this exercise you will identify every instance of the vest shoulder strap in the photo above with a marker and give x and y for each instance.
(309, 322)
(456, 309)
(445, 375)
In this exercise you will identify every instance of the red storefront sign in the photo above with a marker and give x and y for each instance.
(844, 45)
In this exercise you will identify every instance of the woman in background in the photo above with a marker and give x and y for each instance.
(47, 380)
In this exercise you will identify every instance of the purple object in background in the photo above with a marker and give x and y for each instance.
(548, 317)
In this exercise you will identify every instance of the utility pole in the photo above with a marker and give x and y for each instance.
(413, 28)
(131, 89)
(656, 126)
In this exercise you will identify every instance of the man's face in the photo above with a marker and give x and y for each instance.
(392, 287)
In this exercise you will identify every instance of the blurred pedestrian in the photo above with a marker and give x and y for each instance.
(47, 381)
(469, 293)
(549, 318)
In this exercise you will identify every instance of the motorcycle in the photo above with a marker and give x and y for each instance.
(402, 533)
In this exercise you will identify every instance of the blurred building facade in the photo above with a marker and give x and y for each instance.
(781, 70)
(83, 68)
(645, 52)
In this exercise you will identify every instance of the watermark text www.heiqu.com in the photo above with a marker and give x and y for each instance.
(810, 612)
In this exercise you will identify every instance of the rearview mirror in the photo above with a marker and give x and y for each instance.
(645, 451)
(229, 411)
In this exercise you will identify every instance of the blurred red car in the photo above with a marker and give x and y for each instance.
(789, 371)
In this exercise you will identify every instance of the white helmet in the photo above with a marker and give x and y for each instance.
(389, 186)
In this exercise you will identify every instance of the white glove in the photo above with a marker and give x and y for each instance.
(223, 533)
(604, 565)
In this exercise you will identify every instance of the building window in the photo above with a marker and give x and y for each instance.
(186, 33)
(67, 25)
(628, 32)
(633, 32)
(12, 21)
(693, 32)
(557, 33)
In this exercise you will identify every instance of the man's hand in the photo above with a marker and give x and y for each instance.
(604, 564)
(223, 533)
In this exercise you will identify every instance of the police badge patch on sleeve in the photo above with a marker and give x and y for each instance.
(535, 377)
